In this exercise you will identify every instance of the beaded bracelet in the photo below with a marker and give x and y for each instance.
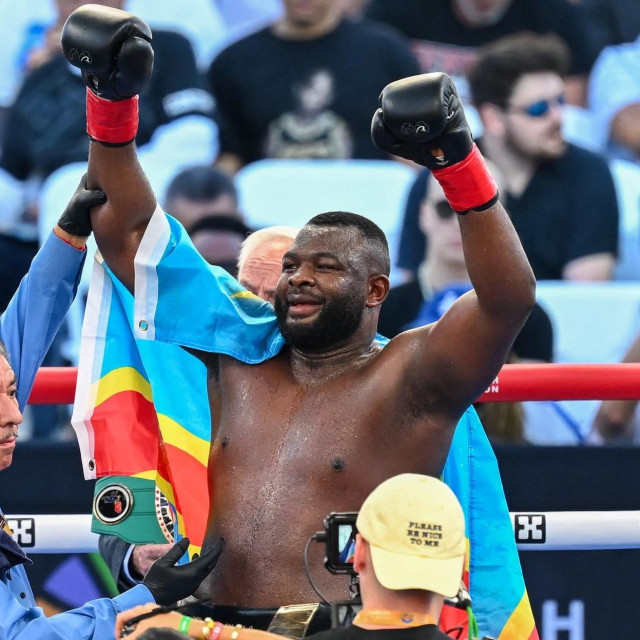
(185, 621)
(207, 629)
(216, 632)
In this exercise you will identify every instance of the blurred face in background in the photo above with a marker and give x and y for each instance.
(262, 268)
(532, 121)
(480, 13)
(188, 211)
(439, 223)
(307, 13)
(219, 247)
(67, 7)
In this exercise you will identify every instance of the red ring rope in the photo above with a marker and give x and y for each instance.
(515, 382)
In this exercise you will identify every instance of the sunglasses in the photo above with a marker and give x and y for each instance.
(540, 108)
(443, 210)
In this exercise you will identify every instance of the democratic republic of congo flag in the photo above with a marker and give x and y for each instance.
(493, 575)
(142, 407)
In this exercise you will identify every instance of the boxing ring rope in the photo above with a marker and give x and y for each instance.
(514, 383)
(539, 531)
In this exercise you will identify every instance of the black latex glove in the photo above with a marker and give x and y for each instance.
(169, 583)
(76, 218)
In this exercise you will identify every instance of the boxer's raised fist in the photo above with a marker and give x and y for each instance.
(112, 48)
(421, 118)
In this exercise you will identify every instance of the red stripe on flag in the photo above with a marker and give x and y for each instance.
(126, 430)
(188, 477)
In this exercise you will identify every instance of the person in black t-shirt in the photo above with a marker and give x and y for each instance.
(303, 86)
(409, 555)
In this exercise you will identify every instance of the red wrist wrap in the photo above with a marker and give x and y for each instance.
(468, 184)
(112, 121)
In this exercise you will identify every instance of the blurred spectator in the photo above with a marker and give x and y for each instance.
(243, 17)
(561, 197)
(199, 191)
(22, 25)
(46, 129)
(260, 259)
(612, 21)
(441, 279)
(446, 33)
(304, 86)
(208, 24)
(218, 239)
(614, 99)
(616, 421)
(202, 22)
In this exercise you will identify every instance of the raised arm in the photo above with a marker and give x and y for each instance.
(421, 118)
(112, 48)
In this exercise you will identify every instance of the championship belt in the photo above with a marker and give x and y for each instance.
(133, 509)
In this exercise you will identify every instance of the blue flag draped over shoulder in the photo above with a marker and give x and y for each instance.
(142, 409)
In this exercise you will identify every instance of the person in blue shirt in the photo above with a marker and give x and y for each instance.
(27, 328)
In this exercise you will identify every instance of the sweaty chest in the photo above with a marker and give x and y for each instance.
(287, 425)
(274, 432)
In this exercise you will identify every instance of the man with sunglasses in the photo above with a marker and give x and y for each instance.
(561, 197)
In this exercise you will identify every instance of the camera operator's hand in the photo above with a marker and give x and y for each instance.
(125, 630)
(130, 626)
(169, 583)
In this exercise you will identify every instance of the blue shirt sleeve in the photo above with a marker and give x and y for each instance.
(37, 309)
(95, 620)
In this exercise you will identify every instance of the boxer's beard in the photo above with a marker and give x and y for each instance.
(338, 320)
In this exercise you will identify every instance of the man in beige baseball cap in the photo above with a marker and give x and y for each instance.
(409, 554)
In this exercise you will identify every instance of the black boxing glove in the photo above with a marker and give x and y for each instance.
(421, 118)
(113, 50)
(76, 218)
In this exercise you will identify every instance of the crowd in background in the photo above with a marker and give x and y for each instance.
(552, 90)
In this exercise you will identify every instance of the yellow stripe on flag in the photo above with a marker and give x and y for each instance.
(521, 623)
(176, 435)
(147, 475)
(121, 379)
(245, 294)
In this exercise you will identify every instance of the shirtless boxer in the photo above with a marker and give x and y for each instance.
(331, 415)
